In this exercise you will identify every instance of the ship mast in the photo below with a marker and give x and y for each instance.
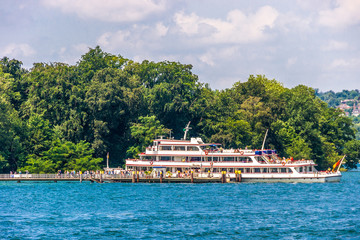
(186, 129)
(263, 145)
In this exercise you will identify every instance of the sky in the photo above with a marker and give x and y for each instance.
(310, 42)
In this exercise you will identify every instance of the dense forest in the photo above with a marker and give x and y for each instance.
(56, 116)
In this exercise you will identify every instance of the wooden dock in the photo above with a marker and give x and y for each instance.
(107, 178)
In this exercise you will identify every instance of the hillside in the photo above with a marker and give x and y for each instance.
(347, 101)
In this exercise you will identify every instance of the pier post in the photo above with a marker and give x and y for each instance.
(161, 177)
(223, 177)
(236, 175)
(192, 176)
(137, 176)
(133, 177)
(239, 180)
(101, 178)
(80, 178)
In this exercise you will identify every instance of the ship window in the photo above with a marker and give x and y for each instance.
(260, 160)
(289, 170)
(300, 169)
(241, 169)
(246, 160)
(229, 159)
(231, 170)
(283, 170)
(192, 148)
(257, 170)
(265, 170)
(248, 170)
(165, 148)
(274, 170)
(179, 148)
(310, 169)
(165, 158)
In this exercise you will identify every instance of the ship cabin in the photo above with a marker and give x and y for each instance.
(176, 156)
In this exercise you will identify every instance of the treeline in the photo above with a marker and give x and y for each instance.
(334, 98)
(68, 117)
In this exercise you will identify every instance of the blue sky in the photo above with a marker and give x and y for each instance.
(311, 42)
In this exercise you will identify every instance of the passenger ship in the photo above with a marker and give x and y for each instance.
(175, 158)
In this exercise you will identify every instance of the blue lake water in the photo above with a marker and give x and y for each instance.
(181, 211)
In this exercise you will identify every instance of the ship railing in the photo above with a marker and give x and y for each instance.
(64, 176)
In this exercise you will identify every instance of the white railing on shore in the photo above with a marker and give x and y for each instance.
(127, 175)
(62, 176)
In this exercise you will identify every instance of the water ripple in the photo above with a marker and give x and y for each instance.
(180, 211)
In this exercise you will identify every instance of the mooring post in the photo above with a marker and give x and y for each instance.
(192, 176)
(239, 176)
(223, 179)
(133, 177)
(236, 175)
(137, 176)
(101, 177)
(80, 178)
(161, 177)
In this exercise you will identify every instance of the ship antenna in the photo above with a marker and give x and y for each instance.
(186, 129)
(263, 145)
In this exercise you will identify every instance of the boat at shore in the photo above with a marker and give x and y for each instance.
(180, 158)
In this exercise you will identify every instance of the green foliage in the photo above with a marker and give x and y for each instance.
(334, 99)
(143, 133)
(63, 156)
(56, 116)
(352, 151)
(36, 164)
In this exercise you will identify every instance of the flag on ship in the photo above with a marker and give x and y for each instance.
(336, 164)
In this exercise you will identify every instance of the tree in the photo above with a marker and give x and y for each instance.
(143, 133)
(352, 151)
(63, 156)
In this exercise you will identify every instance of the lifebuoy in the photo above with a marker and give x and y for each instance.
(206, 152)
(242, 152)
(283, 163)
(151, 162)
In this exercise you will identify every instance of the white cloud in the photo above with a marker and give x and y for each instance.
(314, 5)
(237, 28)
(345, 13)
(352, 63)
(81, 47)
(335, 45)
(114, 40)
(161, 29)
(291, 22)
(291, 61)
(219, 54)
(18, 50)
(109, 10)
(207, 58)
